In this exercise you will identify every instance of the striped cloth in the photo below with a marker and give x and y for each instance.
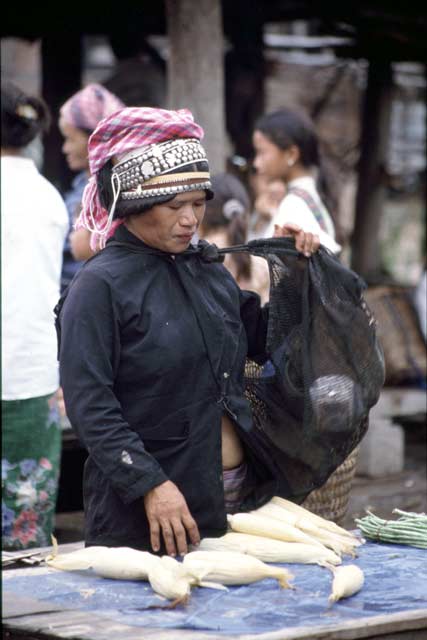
(89, 106)
(136, 127)
(233, 482)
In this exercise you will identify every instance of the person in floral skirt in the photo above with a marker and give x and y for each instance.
(34, 225)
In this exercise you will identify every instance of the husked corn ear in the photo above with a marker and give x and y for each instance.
(193, 575)
(339, 544)
(228, 567)
(173, 564)
(269, 550)
(274, 511)
(333, 541)
(347, 580)
(78, 560)
(170, 582)
(269, 528)
(302, 512)
(124, 563)
(118, 563)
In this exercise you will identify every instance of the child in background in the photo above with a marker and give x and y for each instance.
(226, 223)
(287, 148)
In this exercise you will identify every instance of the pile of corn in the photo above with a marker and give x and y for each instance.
(278, 532)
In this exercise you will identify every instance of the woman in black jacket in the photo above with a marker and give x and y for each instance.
(153, 343)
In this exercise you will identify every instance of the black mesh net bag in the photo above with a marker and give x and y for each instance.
(311, 399)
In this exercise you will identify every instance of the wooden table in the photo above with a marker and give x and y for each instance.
(27, 617)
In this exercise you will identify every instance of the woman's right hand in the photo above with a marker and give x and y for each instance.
(167, 512)
(305, 241)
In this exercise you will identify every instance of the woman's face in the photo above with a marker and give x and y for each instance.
(270, 161)
(75, 146)
(170, 226)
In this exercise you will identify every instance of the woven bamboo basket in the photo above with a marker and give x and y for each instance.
(331, 499)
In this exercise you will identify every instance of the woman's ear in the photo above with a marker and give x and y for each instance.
(294, 155)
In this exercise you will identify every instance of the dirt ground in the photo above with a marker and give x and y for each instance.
(406, 490)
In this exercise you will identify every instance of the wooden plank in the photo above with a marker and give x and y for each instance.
(91, 627)
(88, 626)
(15, 606)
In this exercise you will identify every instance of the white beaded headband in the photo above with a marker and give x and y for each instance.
(157, 170)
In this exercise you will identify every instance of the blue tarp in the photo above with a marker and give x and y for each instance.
(395, 581)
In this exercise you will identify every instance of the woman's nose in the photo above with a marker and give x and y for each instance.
(188, 216)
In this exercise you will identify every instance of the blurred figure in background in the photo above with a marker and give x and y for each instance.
(78, 117)
(225, 224)
(420, 302)
(34, 226)
(268, 194)
(287, 148)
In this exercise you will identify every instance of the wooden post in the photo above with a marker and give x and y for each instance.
(366, 259)
(21, 63)
(245, 71)
(196, 69)
(61, 77)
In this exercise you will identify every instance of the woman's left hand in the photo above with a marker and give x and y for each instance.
(305, 241)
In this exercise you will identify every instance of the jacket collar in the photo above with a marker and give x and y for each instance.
(123, 235)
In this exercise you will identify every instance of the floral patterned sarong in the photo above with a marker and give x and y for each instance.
(31, 451)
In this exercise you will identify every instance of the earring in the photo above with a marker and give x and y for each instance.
(290, 163)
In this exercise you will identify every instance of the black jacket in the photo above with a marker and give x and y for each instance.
(152, 352)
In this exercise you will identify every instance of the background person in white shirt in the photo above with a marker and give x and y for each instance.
(34, 223)
(267, 196)
(286, 148)
(420, 303)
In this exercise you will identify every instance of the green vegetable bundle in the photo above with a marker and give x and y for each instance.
(410, 528)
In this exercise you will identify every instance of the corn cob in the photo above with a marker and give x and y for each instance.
(124, 563)
(170, 581)
(347, 581)
(274, 511)
(269, 528)
(227, 567)
(269, 550)
(315, 519)
(75, 560)
(195, 576)
(118, 563)
(338, 544)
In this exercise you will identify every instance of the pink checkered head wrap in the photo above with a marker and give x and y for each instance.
(86, 108)
(127, 130)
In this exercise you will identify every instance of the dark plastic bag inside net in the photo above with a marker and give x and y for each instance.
(311, 399)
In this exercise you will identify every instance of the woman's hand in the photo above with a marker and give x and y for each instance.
(167, 512)
(59, 396)
(80, 244)
(305, 242)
